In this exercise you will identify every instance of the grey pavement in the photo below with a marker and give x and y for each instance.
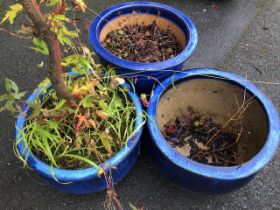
(241, 36)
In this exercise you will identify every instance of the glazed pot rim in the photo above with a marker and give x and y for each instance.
(138, 66)
(247, 169)
(70, 175)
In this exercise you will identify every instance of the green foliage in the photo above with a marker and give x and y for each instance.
(40, 46)
(54, 2)
(12, 13)
(63, 133)
(58, 25)
(80, 4)
(11, 99)
(78, 62)
(64, 36)
(67, 135)
(132, 206)
(41, 65)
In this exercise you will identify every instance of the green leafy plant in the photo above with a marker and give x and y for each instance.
(79, 121)
(67, 135)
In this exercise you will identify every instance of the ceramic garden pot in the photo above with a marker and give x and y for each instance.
(145, 75)
(85, 180)
(218, 94)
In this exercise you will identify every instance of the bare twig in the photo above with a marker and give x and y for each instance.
(237, 113)
(15, 34)
(112, 201)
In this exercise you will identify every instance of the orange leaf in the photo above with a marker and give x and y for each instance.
(92, 123)
(102, 114)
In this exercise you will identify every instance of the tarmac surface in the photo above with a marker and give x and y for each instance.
(241, 36)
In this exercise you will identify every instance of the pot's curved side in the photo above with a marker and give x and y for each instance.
(186, 178)
(95, 183)
(200, 177)
(146, 73)
(85, 180)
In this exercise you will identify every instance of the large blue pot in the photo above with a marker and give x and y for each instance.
(82, 181)
(200, 177)
(147, 73)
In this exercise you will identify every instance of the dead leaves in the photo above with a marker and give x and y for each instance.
(102, 114)
(142, 43)
(186, 150)
(201, 146)
(201, 139)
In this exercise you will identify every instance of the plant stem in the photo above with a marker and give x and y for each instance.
(42, 30)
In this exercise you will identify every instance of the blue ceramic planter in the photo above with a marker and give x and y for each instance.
(82, 181)
(147, 73)
(200, 177)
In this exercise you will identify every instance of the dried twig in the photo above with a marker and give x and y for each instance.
(14, 34)
(112, 201)
(240, 110)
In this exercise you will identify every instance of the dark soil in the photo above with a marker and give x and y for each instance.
(201, 139)
(142, 43)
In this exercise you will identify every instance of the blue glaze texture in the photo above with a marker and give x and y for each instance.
(147, 73)
(82, 181)
(204, 178)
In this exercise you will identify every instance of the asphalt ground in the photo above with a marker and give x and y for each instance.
(241, 36)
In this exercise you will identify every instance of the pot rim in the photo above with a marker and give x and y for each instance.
(249, 168)
(138, 66)
(70, 175)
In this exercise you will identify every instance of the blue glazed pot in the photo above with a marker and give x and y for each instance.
(82, 181)
(147, 73)
(195, 176)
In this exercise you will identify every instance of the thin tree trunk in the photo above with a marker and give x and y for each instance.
(42, 30)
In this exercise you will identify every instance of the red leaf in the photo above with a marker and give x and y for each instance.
(170, 129)
(102, 114)
(80, 121)
(59, 10)
(70, 103)
(78, 95)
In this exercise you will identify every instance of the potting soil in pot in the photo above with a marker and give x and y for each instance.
(143, 43)
(201, 139)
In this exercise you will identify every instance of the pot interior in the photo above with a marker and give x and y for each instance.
(144, 19)
(220, 100)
